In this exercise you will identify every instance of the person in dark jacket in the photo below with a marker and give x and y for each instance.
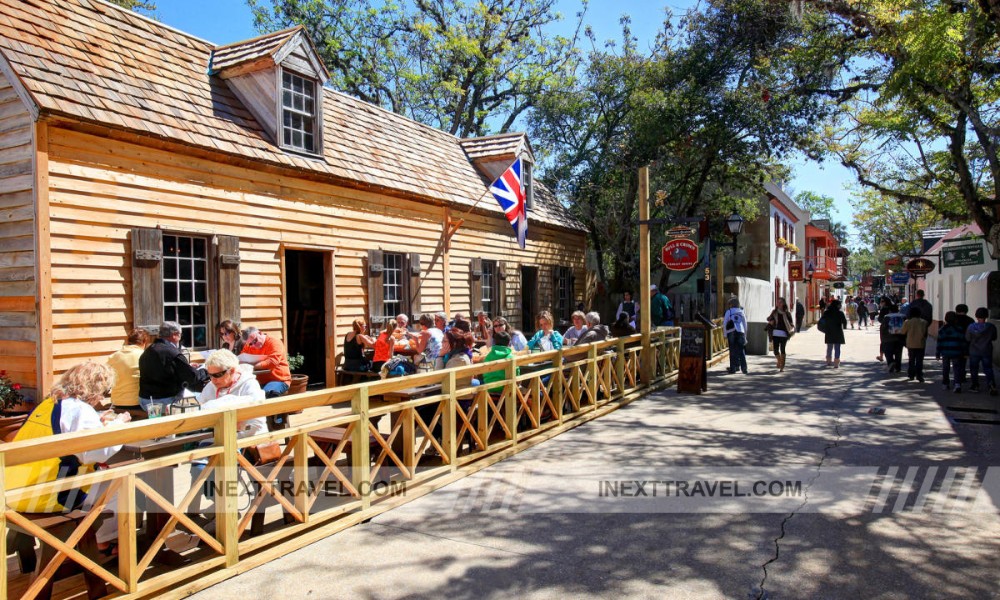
(951, 345)
(800, 314)
(980, 336)
(164, 371)
(660, 310)
(595, 331)
(891, 343)
(962, 323)
(834, 324)
(921, 304)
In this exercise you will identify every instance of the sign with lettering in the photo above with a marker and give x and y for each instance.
(693, 342)
(918, 267)
(900, 278)
(795, 272)
(962, 256)
(680, 254)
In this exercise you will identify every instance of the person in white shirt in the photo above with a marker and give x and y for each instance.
(629, 307)
(575, 332)
(735, 328)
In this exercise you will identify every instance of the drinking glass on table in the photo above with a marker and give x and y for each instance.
(155, 410)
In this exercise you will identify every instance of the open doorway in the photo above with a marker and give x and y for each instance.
(529, 299)
(305, 300)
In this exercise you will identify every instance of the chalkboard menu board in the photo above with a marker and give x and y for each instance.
(693, 342)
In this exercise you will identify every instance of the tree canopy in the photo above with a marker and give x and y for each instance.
(141, 6)
(468, 67)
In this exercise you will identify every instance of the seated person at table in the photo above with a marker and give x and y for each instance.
(595, 331)
(229, 383)
(164, 371)
(384, 345)
(441, 321)
(71, 406)
(500, 350)
(229, 333)
(545, 338)
(125, 364)
(483, 329)
(355, 344)
(402, 323)
(574, 333)
(622, 327)
(517, 340)
(277, 375)
(428, 342)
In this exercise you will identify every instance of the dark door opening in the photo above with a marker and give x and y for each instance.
(304, 299)
(529, 299)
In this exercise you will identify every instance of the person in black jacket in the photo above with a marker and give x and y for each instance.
(164, 371)
(800, 313)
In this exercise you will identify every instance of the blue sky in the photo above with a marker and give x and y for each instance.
(225, 21)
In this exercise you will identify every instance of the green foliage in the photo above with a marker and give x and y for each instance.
(147, 7)
(818, 205)
(295, 362)
(889, 227)
(10, 392)
(918, 101)
(456, 65)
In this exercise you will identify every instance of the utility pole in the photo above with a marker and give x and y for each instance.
(647, 362)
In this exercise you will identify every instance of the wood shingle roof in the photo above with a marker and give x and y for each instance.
(97, 63)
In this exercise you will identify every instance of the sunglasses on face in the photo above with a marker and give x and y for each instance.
(217, 375)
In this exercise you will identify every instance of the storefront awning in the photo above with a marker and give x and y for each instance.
(978, 277)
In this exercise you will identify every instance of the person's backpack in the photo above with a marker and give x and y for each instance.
(823, 324)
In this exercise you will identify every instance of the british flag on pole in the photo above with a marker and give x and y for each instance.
(509, 192)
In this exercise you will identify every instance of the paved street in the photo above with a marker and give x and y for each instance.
(899, 505)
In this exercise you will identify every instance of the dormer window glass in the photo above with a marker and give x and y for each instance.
(529, 187)
(298, 107)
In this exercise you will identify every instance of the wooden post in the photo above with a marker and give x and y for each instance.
(720, 302)
(43, 259)
(360, 457)
(558, 389)
(592, 374)
(446, 262)
(449, 432)
(226, 508)
(3, 524)
(300, 474)
(646, 372)
(127, 553)
(620, 366)
(510, 399)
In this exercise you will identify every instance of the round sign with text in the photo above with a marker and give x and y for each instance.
(680, 255)
(919, 267)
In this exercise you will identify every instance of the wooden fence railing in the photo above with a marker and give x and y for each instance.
(429, 441)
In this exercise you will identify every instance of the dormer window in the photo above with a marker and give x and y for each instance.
(298, 112)
(529, 187)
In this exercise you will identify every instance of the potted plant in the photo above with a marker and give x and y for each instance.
(11, 398)
(793, 249)
(299, 381)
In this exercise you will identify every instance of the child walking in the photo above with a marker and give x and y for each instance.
(915, 330)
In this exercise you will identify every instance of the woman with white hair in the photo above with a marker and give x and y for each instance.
(230, 382)
(595, 331)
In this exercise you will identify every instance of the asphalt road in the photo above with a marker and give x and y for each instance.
(770, 485)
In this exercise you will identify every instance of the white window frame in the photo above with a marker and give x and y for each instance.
(316, 116)
(183, 308)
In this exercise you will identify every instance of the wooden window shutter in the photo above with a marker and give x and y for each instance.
(501, 289)
(147, 278)
(415, 287)
(375, 291)
(228, 262)
(475, 285)
(571, 295)
(554, 294)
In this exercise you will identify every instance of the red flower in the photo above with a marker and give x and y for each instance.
(3, 373)
(17, 386)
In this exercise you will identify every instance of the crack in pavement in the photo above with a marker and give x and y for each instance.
(761, 592)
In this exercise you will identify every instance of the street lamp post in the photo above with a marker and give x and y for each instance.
(734, 227)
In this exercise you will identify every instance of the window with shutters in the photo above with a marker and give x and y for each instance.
(563, 293)
(529, 186)
(392, 284)
(487, 282)
(185, 287)
(193, 280)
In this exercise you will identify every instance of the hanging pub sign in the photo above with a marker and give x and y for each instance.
(795, 271)
(962, 256)
(918, 267)
(680, 254)
(681, 231)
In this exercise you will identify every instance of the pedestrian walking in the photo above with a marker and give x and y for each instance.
(862, 315)
(962, 322)
(852, 311)
(800, 314)
(981, 336)
(915, 330)
(780, 330)
(832, 324)
(951, 345)
(735, 328)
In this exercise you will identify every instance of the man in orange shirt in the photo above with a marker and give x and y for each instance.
(275, 382)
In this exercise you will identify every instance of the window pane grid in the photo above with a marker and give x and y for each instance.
(185, 287)
(392, 285)
(298, 112)
(486, 281)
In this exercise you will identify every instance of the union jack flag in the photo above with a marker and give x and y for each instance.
(509, 192)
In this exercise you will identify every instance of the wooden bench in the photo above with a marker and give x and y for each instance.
(345, 377)
(61, 526)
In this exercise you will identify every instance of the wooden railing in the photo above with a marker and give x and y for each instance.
(555, 391)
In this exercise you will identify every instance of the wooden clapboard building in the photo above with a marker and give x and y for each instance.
(147, 174)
